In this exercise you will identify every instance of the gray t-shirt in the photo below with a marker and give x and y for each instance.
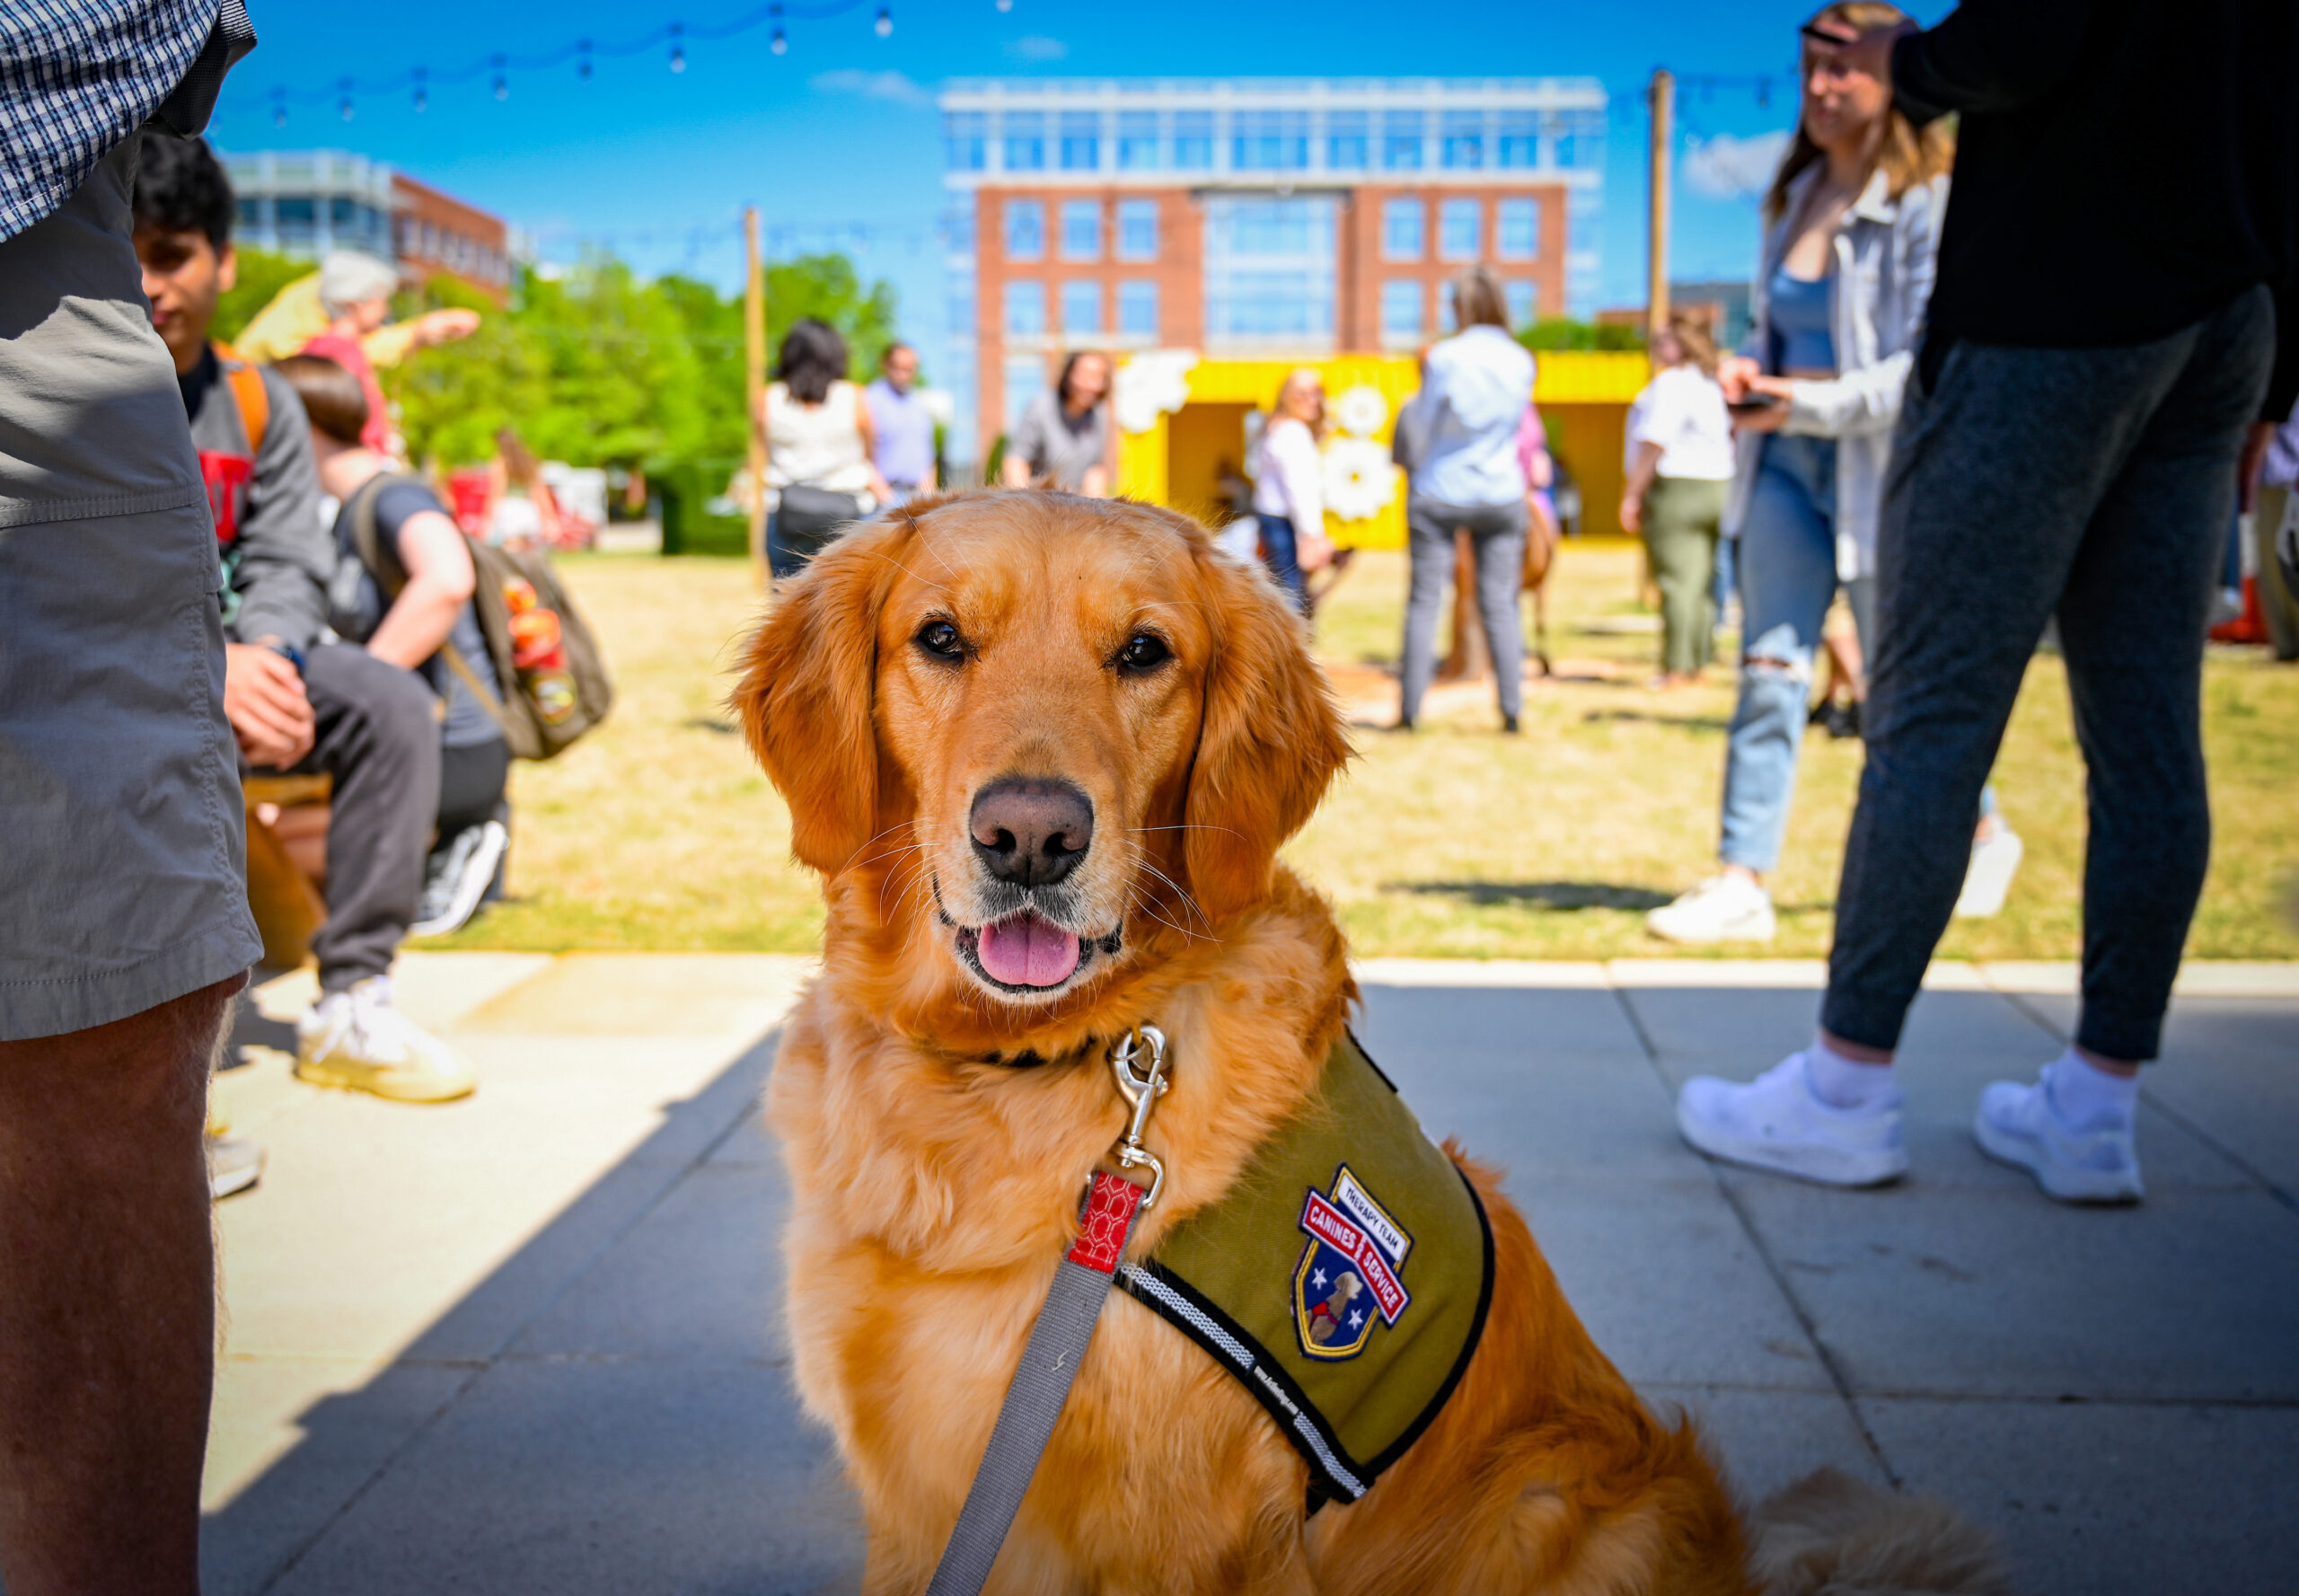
(1060, 448)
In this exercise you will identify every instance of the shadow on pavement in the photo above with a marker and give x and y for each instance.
(608, 1411)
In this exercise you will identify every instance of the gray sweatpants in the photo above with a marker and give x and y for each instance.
(2095, 484)
(1497, 536)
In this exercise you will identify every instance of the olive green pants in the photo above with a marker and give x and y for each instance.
(1681, 515)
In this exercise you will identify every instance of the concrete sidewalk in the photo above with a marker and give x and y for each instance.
(529, 1342)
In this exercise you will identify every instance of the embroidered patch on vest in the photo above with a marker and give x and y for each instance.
(1348, 1275)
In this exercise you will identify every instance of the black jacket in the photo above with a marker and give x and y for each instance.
(2123, 168)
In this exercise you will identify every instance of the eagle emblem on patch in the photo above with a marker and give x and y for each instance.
(1348, 1276)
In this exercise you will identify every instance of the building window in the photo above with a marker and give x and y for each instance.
(1270, 141)
(1464, 140)
(1193, 140)
(1520, 230)
(1347, 146)
(1024, 141)
(1524, 301)
(1461, 229)
(1401, 310)
(1081, 141)
(1081, 310)
(1137, 309)
(1269, 271)
(1081, 230)
(1520, 139)
(1137, 141)
(1025, 310)
(1402, 221)
(966, 140)
(1025, 381)
(251, 213)
(1137, 230)
(1401, 135)
(1025, 229)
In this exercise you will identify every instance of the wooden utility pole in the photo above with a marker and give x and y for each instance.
(755, 388)
(1663, 101)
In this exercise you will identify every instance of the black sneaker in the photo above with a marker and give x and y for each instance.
(1839, 720)
(455, 878)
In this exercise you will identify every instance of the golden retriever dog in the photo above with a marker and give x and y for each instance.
(1043, 751)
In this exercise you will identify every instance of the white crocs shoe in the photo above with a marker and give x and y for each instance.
(1777, 1123)
(1727, 907)
(2021, 1125)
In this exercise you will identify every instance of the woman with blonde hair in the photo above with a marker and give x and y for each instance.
(1289, 484)
(1850, 251)
(1682, 461)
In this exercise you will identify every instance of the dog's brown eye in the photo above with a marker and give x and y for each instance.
(1144, 651)
(941, 640)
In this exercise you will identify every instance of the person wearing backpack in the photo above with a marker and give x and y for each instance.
(295, 703)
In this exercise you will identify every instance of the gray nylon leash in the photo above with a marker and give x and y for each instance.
(1026, 1421)
(1064, 1328)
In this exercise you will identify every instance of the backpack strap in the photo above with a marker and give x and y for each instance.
(390, 576)
(247, 387)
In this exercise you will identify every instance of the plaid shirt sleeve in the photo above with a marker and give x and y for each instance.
(76, 77)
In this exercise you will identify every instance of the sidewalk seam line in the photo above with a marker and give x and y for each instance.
(1835, 1373)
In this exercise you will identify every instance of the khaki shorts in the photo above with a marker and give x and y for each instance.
(122, 880)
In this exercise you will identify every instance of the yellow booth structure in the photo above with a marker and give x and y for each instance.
(1183, 427)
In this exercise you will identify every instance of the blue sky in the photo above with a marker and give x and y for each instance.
(837, 141)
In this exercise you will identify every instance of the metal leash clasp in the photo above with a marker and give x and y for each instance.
(1142, 1091)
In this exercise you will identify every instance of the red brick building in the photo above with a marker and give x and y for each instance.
(1254, 217)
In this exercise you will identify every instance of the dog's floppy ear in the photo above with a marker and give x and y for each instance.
(1271, 739)
(808, 679)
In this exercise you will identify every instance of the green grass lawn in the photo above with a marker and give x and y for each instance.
(657, 831)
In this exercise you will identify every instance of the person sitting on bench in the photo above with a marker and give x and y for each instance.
(295, 703)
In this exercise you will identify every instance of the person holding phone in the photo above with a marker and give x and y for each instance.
(1849, 254)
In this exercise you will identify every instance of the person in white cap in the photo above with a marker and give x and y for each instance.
(355, 291)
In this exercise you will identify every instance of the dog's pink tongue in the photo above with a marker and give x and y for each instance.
(1027, 951)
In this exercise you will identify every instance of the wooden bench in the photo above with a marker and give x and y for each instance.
(288, 862)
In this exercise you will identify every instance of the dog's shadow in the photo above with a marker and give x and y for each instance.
(1563, 896)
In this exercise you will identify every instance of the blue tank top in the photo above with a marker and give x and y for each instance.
(1800, 312)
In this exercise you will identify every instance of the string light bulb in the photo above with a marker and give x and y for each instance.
(884, 26)
(502, 82)
(582, 59)
(279, 112)
(1005, 5)
(344, 109)
(678, 48)
(780, 43)
(422, 95)
(1764, 92)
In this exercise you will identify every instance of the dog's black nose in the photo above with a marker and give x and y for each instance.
(1032, 834)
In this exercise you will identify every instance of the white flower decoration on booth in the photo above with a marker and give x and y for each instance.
(1151, 384)
(1360, 480)
(1360, 410)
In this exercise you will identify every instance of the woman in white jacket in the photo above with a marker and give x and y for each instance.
(1289, 484)
(1850, 244)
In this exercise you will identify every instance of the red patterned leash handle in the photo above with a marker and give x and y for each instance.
(1059, 1339)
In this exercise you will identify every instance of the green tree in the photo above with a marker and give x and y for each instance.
(1558, 332)
(261, 276)
(597, 367)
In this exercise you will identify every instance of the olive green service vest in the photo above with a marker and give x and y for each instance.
(1343, 1280)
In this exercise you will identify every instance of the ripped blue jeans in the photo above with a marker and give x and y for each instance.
(1787, 576)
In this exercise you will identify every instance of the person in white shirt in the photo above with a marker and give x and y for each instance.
(1289, 485)
(819, 441)
(1681, 463)
(1458, 436)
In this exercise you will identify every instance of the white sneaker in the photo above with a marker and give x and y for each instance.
(1727, 907)
(1776, 1121)
(1988, 878)
(359, 1041)
(2021, 1125)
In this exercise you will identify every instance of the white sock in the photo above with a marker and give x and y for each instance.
(2086, 1097)
(1844, 1082)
